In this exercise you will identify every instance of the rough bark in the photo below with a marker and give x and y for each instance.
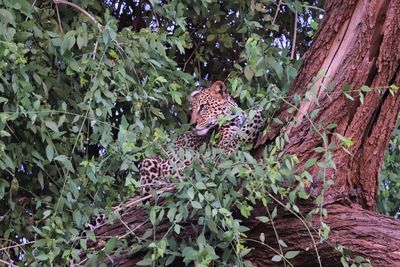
(366, 233)
(357, 44)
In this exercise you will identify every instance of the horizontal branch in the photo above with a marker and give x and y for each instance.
(90, 16)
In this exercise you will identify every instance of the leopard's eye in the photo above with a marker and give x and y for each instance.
(202, 106)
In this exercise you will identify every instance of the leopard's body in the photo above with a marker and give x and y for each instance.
(206, 107)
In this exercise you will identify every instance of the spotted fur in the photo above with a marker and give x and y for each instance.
(206, 107)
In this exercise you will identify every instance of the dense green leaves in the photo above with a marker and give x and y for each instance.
(81, 105)
(389, 179)
(78, 109)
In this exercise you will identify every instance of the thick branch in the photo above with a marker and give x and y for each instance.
(366, 233)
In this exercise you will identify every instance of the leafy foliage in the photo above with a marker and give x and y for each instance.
(84, 99)
(389, 181)
(217, 31)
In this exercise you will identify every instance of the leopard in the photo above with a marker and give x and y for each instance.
(207, 107)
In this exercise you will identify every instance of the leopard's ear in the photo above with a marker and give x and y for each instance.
(194, 93)
(218, 89)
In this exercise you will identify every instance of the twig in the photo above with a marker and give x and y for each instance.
(95, 49)
(311, 7)
(305, 225)
(59, 19)
(133, 202)
(11, 130)
(276, 233)
(308, 7)
(316, 8)
(90, 16)
(17, 245)
(277, 11)
(271, 248)
(32, 6)
(131, 231)
(294, 37)
(8, 263)
(190, 57)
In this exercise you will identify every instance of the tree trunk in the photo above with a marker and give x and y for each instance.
(357, 44)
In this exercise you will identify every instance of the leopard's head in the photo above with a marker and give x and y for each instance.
(207, 105)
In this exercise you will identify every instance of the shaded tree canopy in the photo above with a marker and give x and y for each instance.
(91, 88)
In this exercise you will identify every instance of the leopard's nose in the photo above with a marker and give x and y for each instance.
(193, 124)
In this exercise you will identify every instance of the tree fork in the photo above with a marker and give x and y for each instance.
(356, 45)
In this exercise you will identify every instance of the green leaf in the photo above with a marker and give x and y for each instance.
(344, 261)
(303, 195)
(190, 193)
(46, 213)
(77, 217)
(331, 126)
(227, 164)
(6, 17)
(153, 216)
(309, 163)
(291, 254)
(83, 243)
(52, 125)
(145, 262)
(49, 152)
(248, 73)
(346, 88)
(314, 25)
(274, 213)
(196, 205)
(42, 257)
(263, 219)
(65, 162)
(365, 89)
(80, 41)
(90, 235)
(189, 254)
(4, 134)
(347, 142)
(110, 245)
(262, 237)
(282, 243)
(201, 186)
(276, 258)
(278, 121)
(40, 180)
(67, 42)
(211, 37)
(177, 229)
(9, 162)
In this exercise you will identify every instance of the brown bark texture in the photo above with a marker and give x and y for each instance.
(358, 44)
(366, 233)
